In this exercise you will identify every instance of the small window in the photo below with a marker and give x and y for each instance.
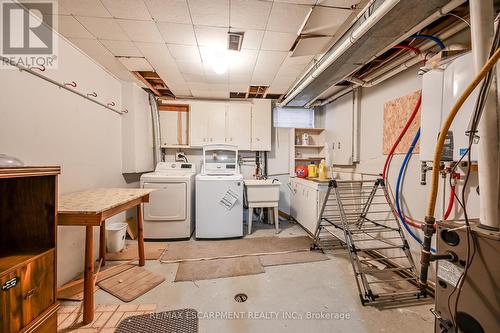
(293, 117)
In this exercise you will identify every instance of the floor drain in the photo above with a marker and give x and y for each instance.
(240, 298)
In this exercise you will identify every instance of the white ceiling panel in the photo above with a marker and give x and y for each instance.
(200, 93)
(274, 89)
(189, 77)
(298, 2)
(175, 11)
(212, 13)
(278, 41)
(121, 48)
(190, 67)
(211, 36)
(177, 33)
(103, 28)
(127, 9)
(136, 64)
(92, 8)
(184, 52)
(180, 89)
(339, 3)
(325, 20)
(69, 27)
(239, 87)
(243, 61)
(310, 46)
(141, 31)
(250, 14)
(287, 17)
(162, 61)
(268, 64)
(220, 94)
(252, 38)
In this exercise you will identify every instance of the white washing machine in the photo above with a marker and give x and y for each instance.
(170, 211)
(219, 194)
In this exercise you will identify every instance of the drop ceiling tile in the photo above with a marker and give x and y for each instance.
(268, 64)
(177, 33)
(180, 90)
(158, 55)
(252, 38)
(239, 87)
(299, 2)
(184, 52)
(250, 14)
(212, 13)
(211, 36)
(69, 27)
(201, 93)
(92, 8)
(136, 64)
(188, 77)
(240, 77)
(127, 9)
(243, 61)
(212, 77)
(274, 89)
(278, 41)
(220, 94)
(175, 11)
(325, 20)
(339, 3)
(141, 31)
(121, 48)
(311, 46)
(103, 28)
(287, 17)
(190, 67)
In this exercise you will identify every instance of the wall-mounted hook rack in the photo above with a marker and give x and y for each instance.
(60, 85)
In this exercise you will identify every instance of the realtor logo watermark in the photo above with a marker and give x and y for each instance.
(27, 33)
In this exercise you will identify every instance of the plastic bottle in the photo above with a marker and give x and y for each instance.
(312, 170)
(322, 170)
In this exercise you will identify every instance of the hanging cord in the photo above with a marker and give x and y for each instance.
(438, 41)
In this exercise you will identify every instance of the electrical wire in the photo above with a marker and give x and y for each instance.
(407, 47)
(450, 201)
(437, 40)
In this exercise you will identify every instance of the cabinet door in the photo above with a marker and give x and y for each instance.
(198, 120)
(261, 125)
(294, 200)
(340, 121)
(216, 122)
(238, 123)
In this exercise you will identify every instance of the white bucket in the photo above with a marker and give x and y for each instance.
(115, 236)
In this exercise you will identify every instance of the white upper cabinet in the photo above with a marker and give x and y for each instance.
(216, 122)
(238, 123)
(261, 125)
(198, 124)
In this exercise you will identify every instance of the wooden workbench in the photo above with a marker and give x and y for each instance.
(91, 208)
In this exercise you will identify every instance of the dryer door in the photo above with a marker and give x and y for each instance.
(167, 203)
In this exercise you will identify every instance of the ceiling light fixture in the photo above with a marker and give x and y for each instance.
(219, 60)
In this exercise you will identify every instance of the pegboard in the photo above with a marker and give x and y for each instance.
(396, 113)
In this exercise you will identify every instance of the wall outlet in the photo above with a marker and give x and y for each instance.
(180, 156)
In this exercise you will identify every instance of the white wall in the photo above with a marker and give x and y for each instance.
(44, 125)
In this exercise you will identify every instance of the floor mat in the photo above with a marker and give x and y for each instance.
(177, 321)
(152, 251)
(131, 283)
(218, 268)
(216, 249)
(291, 258)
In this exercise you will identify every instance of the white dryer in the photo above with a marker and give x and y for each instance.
(219, 194)
(170, 211)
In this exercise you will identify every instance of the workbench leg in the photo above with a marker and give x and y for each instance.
(250, 217)
(88, 278)
(102, 243)
(276, 220)
(140, 236)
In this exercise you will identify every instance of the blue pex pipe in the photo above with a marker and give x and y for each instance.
(398, 185)
(438, 41)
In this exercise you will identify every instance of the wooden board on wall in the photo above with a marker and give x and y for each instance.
(396, 113)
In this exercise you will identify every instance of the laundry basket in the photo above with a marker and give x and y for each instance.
(115, 236)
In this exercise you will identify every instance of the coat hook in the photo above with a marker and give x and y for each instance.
(125, 110)
(71, 84)
(41, 68)
(111, 104)
(93, 94)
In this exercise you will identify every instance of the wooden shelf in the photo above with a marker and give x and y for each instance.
(175, 146)
(12, 260)
(310, 130)
(310, 158)
(309, 146)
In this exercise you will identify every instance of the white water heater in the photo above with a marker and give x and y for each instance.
(441, 88)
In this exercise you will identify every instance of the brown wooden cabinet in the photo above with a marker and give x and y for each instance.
(28, 219)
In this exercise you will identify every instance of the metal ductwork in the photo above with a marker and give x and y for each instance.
(396, 19)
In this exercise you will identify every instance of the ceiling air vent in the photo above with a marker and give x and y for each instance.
(234, 40)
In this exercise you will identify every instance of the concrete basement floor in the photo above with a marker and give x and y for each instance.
(325, 287)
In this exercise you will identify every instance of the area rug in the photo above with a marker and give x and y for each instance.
(131, 283)
(218, 268)
(291, 258)
(152, 251)
(217, 249)
(177, 321)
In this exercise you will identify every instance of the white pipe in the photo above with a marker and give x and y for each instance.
(481, 13)
(310, 75)
(396, 66)
(356, 34)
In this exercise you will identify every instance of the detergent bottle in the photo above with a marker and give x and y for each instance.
(322, 170)
(312, 170)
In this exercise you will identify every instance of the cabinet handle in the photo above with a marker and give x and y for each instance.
(210, 139)
(204, 139)
(30, 293)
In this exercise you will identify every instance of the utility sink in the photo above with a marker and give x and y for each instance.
(264, 192)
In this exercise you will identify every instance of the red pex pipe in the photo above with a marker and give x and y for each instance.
(450, 203)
